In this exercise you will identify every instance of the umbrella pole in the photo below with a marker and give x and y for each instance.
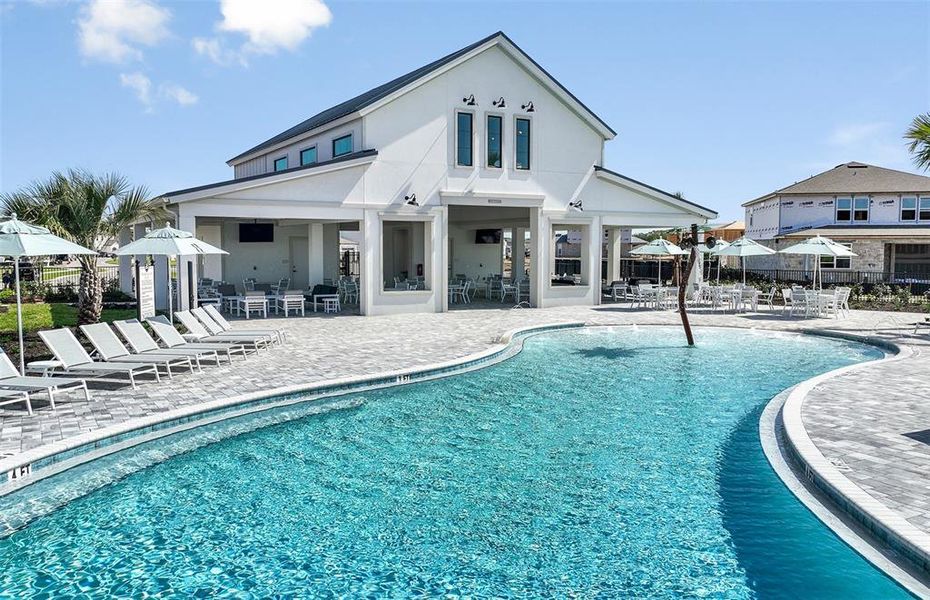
(19, 321)
(742, 259)
(170, 294)
(718, 270)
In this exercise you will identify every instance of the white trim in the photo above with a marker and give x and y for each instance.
(295, 139)
(240, 185)
(475, 198)
(531, 151)
(455, 138)
(485, 154)
(661, 197)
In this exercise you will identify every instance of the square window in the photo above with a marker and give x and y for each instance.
(861, 209)
(308, 156)
(909, 208)
(342, 145)
(924, 214)
(280, 164)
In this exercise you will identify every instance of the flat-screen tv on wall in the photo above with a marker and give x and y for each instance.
(256, 232)
(488, 236)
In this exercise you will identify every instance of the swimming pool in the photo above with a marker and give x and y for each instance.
(597, 462)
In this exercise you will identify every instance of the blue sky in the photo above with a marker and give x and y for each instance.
(721, 101)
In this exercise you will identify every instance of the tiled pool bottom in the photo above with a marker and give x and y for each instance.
(596, 462)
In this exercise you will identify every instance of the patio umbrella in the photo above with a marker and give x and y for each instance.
(659, 248)
(742, 248)
(169, 241)
(22, 239)
(720, 245)
(818, 246)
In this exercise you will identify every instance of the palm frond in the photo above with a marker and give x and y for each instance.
(919, 135)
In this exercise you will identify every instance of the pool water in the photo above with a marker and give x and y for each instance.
(595, 463)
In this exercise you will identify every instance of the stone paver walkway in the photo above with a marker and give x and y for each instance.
(873, 423)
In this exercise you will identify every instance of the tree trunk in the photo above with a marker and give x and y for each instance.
(90, 293)
(682, 304)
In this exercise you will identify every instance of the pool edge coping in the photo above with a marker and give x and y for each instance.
(845, 497)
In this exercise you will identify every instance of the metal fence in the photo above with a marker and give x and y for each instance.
(915, 280)
(349, 263)
(56, 278)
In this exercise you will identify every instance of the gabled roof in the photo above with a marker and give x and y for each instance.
(373, 95)
(671, 198)
(855, 178)
(320, 166)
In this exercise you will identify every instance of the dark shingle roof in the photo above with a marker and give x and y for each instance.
(856, 178)
(373, 95)
(343, 158)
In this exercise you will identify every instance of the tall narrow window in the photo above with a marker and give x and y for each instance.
(909, 208)
(342, 145)
(280, 164)
(308, 156)
(463, 139)
(843, 209)
(924, 213)
(522, 144)
(495, 126)
(861, 209)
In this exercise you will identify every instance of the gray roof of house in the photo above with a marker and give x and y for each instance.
(373, 95)
(856, 178)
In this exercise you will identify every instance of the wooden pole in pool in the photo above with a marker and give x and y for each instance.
(682, 288)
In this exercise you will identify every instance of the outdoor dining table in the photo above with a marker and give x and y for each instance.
(233, 304)
(319, 299)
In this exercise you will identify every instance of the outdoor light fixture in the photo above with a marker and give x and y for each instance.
(469, 100)
(576, 204)
(528, 107)
(499, 103)
(412, 200)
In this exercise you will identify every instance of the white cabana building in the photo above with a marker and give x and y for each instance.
(432, 171)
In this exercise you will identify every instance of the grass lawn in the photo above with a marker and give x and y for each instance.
(49, 316)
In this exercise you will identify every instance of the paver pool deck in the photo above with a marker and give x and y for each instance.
(872, 423)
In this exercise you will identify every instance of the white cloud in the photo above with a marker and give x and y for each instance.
(268, 26)
(182, 96)
(148, 94)
(113, 30)
(140, 85)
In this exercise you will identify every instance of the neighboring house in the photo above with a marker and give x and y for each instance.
(727, 232)
(423, 168)
(882, 214)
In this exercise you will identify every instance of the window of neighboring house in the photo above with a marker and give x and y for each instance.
(844, 209)
(861, 208)
(495, 129)
(308, 156)
(464, 136)
(280, 164)
(522, 144)
(924, 213)
(837, 262)
(342, 145)
(908, 208)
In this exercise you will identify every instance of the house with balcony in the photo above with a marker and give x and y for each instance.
(431, 173)
(882, 214)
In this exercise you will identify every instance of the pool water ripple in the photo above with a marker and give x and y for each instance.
(603, 463)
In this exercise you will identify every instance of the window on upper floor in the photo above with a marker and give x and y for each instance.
(843, 209)
(495, 143)
(924, 212)
(464, 138)
(837, 262)
(909, 208)
(308, 156)
(342, 145)
(522, 144)
(280, 164)
(861, 208)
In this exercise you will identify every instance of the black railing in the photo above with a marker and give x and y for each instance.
(349, 263)
(915, 280)
(56, 278)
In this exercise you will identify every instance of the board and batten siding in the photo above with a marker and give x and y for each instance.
(256, 166)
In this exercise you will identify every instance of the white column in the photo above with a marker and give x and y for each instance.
(125, 264)
(187, 269)
(614, 252)
(368, 262)
(315, 246)
(438, 259)
(592, 254)
(539, 257)
(518, 247)
(331, 250)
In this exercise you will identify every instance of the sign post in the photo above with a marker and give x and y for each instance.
(145, 290)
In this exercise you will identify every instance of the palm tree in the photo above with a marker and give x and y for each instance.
(919, 146)
(89, 210)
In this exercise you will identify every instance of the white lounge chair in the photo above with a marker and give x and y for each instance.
(200, 333)
(110, 348)
(219, 319)
(11, 379)
(170, 337)
(74, 359)
(141, 342)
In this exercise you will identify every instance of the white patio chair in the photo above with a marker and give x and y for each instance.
(842, 299)
(10, 379)
(508, 289)
(785, 299)
(74, 359)
(254, 302)
(291, 300)
(523, 291)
